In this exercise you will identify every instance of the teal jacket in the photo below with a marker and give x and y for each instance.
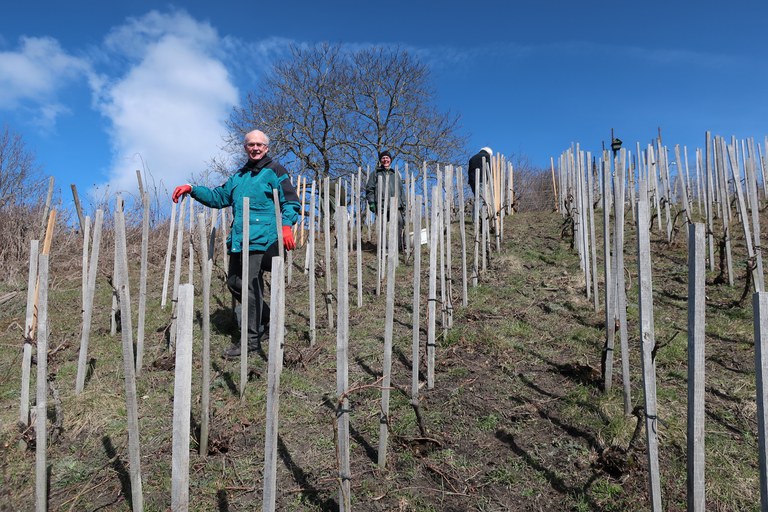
(255, 180)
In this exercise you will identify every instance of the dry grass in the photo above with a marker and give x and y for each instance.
(517, 420)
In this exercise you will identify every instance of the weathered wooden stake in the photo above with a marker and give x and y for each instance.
(168, 252)
(177, 270)
(205, 393)
(648, 339)
(26, 360)
(88, 309)
(276, 340)
(311, 268)
(760, 309)
(389, 319)
(432, 298)
(342, 376)
(244, 295)
(182, 399)
(41, 428)
(416, 316)
(696, 382)
(142, 284)
(131, 404)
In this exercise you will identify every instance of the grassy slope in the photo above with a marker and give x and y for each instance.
(517, 419)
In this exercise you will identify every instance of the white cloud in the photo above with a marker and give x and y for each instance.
(32, 77)
(171, 105)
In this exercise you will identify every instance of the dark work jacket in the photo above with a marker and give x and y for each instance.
(475, 164)
(395, 187)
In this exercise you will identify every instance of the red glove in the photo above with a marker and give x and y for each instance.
(288, 240)
(180, 191)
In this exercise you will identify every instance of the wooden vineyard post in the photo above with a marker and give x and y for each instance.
(168, 252)
(425, 191)
(408, 213)
(744, 218)
(142, 284)
(432, 298)
(648, 339)
(223, 230)
(476, 231)
(342, 378)
(205, 392)
(190, 245)
(378, 228)
(383, 208)
(463, 234)
(78, 209)
(696, 382)
(416, 345)
(448, 264)
(580, 221)
(244, 295)
(278, 223)
(126, 332)
(86, 247)
(326, 208)
(610, 324)
(441, 255)
(620, 297)
(311, 268)
(752, 191)
(686, 202)
(708, 203)
(177, 269)
(26, 361)
(182, 399)
(46, 250)
(591, 219)
(388, 333)
(359, 238)
(47, 208)
(116, 277)
(302, 220)
(88, 308)
(276, 340)
(725, 207)
(41, 428)
(760, 308)
(554, 184)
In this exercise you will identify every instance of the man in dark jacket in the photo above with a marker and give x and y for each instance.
(390, 179)
(476, 166)
(255, 180)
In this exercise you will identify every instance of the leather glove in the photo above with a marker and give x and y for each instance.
(372, 207)
(288, 241)
(180, 191)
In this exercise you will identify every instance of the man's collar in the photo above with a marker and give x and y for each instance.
(253, 165)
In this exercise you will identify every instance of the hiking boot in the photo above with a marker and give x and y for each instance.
(233, 351)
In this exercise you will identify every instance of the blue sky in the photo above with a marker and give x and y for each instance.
(101, 89)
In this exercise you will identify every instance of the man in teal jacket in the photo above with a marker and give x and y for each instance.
(255, 180)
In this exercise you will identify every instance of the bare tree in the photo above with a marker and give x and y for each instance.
(328, 110)
(22, 195)
(299, 106)
(20, 178)
(392, 100)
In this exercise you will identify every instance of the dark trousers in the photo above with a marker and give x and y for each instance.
(258, 309)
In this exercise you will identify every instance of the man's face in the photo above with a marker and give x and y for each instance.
(386, 161)
(256, 146)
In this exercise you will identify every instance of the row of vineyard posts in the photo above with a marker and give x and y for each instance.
(435, 204)
(727, 184)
